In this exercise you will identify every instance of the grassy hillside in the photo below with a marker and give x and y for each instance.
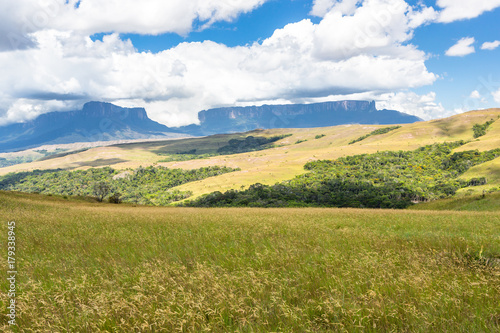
(477, 202)
(86, 267)
(288, 158)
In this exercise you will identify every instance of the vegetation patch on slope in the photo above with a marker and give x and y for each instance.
(149, 186)
(480, 129)
(232, 146)
(250, 143)
(389, 179)
(375, 132)
(184, 157)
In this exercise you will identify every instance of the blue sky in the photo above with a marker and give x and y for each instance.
(177, 57)
(246, 29)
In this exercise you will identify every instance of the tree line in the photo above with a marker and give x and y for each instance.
(147, 186)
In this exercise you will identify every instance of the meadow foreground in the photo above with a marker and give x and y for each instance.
(87, 267)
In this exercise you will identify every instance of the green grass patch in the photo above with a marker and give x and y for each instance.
(185, 157)
(96, 267)
(250, 143)
(233, 146)
(481, 202)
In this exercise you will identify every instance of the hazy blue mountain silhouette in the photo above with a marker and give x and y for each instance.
(241, 119)
(95, 122)
(99, 121)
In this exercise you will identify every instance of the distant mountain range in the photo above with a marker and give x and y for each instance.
(99, 121)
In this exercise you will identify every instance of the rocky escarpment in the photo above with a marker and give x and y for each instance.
(96, 121)
(239, 119)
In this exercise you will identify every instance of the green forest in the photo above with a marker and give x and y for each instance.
(388, 179)
(147, 186)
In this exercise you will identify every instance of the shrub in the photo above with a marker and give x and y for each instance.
(115, 198)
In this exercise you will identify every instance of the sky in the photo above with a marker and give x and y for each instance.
(429, 58)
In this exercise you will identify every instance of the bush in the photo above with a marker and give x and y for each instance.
(115, 198)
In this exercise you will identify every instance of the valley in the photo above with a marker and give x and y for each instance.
(285, 158)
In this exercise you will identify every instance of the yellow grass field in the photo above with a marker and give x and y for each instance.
(87, 267)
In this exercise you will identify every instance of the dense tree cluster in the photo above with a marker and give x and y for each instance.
(250, 143)
(375, 132)
(185, 157)
(480, 129)
(233, 146)
(389, 179)
(150, 186)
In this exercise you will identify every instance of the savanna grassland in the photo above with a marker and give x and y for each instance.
(89, 267)
(284, 159)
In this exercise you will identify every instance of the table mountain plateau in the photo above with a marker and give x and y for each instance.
(99, 121)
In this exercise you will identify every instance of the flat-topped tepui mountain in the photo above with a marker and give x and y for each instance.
(241, 119)
(95, 122)
(98, 121)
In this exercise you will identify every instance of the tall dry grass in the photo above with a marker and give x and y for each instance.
(87, 267)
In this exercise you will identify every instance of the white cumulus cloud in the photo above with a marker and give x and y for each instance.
(423, 106)
(462, 48)
(20, 18)
(301, 62)
(453, 10)
(490, 45)
(475, 94)
(377, 27)
(496, 96)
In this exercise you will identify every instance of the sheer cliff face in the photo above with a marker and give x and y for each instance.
(253, 112)
(95, 122)
(95, 111)
(236, 119)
